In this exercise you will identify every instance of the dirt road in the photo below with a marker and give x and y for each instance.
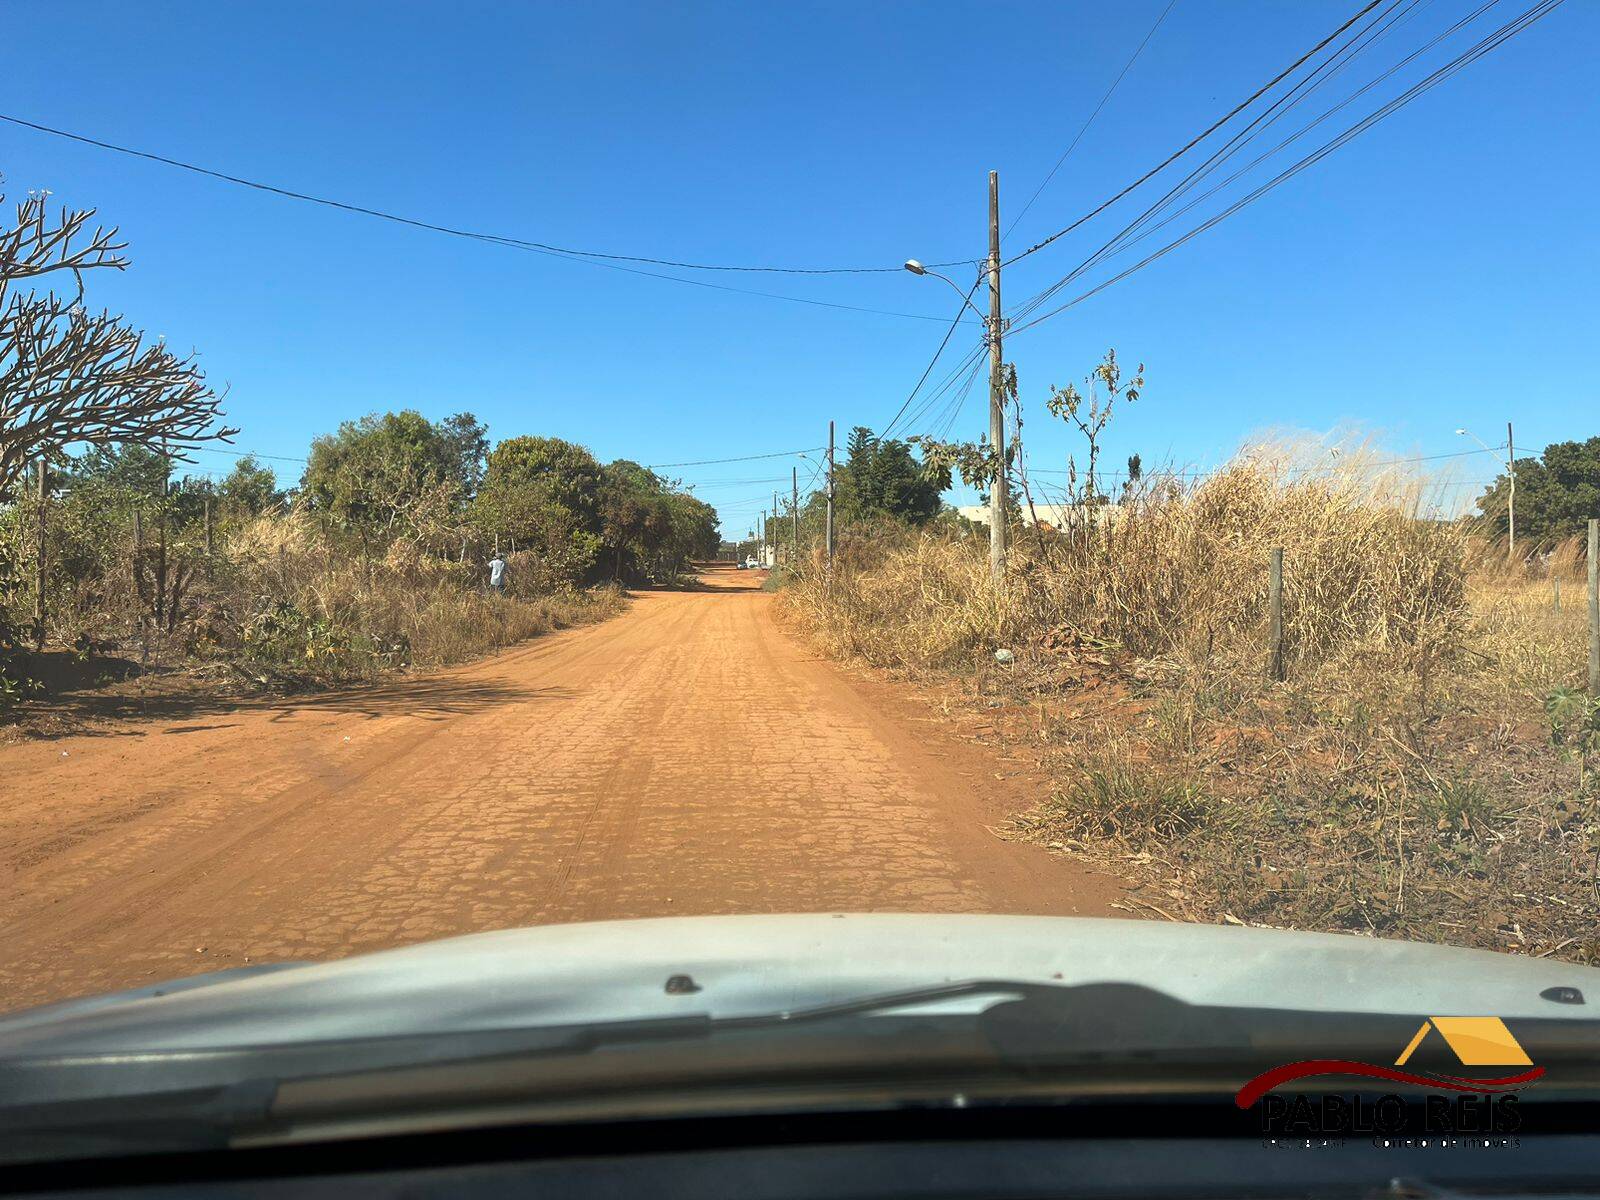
(686, 757)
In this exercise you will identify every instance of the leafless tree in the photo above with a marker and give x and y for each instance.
(68, 376)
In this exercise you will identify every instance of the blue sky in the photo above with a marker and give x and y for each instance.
(1437, 272)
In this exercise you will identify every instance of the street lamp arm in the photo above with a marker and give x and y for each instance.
(917, 268)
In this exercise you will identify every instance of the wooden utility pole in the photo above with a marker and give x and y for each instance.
(830, 497)
(38, 598)
(138, 555)
(1511, 498)
(997, 422)
(1275, 613)
(1594, 609)
(161, 542)
(794, 484)
(775, 528)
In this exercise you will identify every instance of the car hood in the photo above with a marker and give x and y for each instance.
(745, 965)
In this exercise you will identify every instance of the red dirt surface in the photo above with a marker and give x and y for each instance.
(686, 757)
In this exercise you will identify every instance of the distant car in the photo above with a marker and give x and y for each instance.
(751, 564)
(740, 565)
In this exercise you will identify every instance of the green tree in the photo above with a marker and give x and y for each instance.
(545, 494)
(632, 519)
(386, 476)
(881, 477)
(1557, 493)
(467, 446)
(251, 488)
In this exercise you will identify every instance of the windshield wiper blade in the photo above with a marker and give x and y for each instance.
(189, 1118)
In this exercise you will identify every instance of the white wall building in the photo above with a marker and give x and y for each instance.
(1051, 516)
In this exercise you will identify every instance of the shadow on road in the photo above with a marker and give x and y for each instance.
(429, 698)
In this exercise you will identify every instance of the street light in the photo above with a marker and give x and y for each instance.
(916, 268)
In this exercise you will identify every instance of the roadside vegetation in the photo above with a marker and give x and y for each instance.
(376, 561)
(114, 561)
(1423, 770)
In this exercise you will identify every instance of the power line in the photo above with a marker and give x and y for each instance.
(1115, 83)
(942, 425)
(1122, 241)
(1207, 472)
(244, 453)
(928, 370)
(1197, 139)
(382, 215)
(1473, 53)
(706, 462)
(971, 359)
(702, 485)
(1268, 116)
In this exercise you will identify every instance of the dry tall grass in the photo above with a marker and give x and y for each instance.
(1404, 780)
(1181, 571)
(287, 602)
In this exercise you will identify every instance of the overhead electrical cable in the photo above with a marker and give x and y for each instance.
(1284, 103)
(1472, 54)
(383, 215)
(928, 370)
(1122, 240)
(1200, 137)
(707, 462)
(1073, 145)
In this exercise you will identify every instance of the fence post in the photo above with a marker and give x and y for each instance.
(1557, 582)
(38, 599)
(1275, 610)
(208, 527)
(1594, 608)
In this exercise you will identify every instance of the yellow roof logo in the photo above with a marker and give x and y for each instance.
(1476, 1041)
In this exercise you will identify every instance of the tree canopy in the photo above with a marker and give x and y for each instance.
(251, 488)
(1557, 493)
(881, 477)
(391, 475)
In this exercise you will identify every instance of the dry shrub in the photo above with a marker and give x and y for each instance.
(290, 608)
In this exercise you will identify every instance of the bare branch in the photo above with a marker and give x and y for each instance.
(68, 377)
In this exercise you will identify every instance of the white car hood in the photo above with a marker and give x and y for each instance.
(743, 965)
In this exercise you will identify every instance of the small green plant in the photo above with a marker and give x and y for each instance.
(1131, 799)
(1462, 804)
(1574, 718)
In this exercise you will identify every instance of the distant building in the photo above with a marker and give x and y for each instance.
(1051, 516)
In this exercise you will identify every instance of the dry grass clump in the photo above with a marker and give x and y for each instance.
(1421, 773)
(1178, 570)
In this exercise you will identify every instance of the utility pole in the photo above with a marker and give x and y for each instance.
(1511, 498)
(830, 498)
(794, 546)
(38, 598)
(1594, 610)
(997, 424)
(775, 528)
